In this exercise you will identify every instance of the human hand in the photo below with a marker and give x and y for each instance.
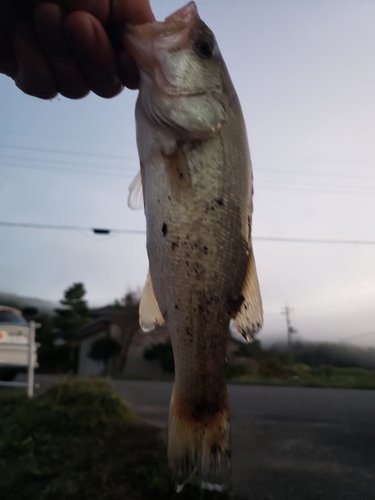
(69, 46)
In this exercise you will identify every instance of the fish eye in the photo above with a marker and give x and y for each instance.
(205, 48)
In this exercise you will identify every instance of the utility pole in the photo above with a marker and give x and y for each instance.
(289, 330)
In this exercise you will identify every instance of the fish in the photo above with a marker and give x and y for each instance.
(196, 187)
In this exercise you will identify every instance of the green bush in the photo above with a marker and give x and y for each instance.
(104, 349)
(164, 353)
(80, 407)
(273, 369)
(56, 358)
(235, 370)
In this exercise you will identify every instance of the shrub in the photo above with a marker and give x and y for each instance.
(164, 353)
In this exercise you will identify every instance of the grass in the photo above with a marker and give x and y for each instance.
(304, 376)
(80, 441)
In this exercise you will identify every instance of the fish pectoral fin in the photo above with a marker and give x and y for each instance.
(249, 318)
(150, 316)
(135, 198)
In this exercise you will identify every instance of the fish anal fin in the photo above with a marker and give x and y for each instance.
(150, 316)
(249, 318)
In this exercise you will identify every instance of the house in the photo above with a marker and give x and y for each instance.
(122, 325)
(119, 323)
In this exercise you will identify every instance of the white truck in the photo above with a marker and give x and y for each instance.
(15, 348)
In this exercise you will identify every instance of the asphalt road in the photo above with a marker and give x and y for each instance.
(288, 443)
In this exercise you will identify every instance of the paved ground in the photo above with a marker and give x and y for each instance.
(288, 443)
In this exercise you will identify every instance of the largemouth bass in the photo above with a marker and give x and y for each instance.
(197, 192)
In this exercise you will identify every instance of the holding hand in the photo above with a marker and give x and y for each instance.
(69, 47)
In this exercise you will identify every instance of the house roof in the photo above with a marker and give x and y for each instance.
(93, 328)
(103, 317)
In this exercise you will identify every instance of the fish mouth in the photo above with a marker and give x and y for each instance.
(149, 43)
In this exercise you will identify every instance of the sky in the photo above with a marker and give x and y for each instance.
(305, 75)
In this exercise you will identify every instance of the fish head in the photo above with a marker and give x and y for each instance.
(183, 78)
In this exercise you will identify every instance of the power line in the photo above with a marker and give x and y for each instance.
(135, 231)
(73, 171)
(77, 163)
(70, 153)
(308, 173)
(359, 335)
(70, 228)
(315, 240)
(297, 189)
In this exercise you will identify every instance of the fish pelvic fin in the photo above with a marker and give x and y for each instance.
(199, 445)
(135, 197)
(248, 320)
(150, 316)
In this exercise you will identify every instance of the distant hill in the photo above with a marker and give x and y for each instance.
(19, 302)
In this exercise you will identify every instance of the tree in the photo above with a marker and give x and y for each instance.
(76, 311)
(130, 299)
(104, 349)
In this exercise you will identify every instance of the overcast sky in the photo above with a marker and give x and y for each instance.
(305, 75)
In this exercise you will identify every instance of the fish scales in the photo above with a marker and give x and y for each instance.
(197, 190)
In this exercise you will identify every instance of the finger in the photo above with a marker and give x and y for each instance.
(128, 70)
(98, 8)
(94, 52)
(34, 76)
(9, 66)
(129, 11)
(133, 12)
(49, 22)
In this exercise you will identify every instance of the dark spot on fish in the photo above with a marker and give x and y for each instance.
(234, 303)
(219, 202)
(174, 245)
(215, 449)
(180, 175)
(204, 409)
(188, 332)
(176, 306)
(195, 143)
(164, 229)
(205, 249)
(169, 198)
(187, 263)
(158, 200)
(199, 271)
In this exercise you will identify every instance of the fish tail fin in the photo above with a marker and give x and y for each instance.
(199, 445)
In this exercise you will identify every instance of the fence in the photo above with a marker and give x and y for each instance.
(21, 355)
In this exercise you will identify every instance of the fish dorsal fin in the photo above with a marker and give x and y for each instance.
(249, 319)
(150, 316)
(135, 198)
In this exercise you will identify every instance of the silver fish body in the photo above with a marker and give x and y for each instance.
(197, 188)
